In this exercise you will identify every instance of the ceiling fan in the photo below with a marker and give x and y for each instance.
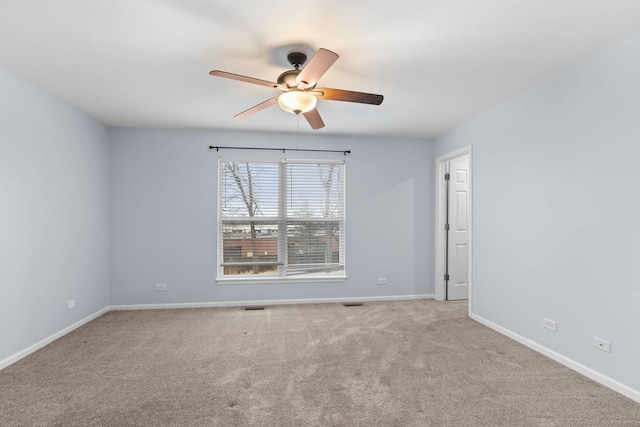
(299, 87)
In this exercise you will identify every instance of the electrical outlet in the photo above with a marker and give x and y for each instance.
(601, 344)
(552, 325)
(71, 304)
(382, 280)
(161, 287)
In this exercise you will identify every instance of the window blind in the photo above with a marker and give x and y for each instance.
(281, 218)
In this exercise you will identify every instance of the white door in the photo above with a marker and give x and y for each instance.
(458, 234)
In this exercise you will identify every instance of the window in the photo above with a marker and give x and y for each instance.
(281, 219)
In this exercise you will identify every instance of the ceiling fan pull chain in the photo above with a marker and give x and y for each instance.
(297, 131)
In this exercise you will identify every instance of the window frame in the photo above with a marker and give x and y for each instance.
(283, 221)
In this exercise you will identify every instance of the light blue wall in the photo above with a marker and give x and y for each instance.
(54, 231)
(163, 216)
(557, 211)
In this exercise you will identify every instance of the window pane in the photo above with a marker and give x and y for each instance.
(249, 189)
(249, 248)
(314, 190)
(314, 247)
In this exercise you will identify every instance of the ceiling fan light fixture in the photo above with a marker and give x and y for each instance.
(297, 101)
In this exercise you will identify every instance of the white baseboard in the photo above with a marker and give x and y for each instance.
(578, 367)
(266, 302)
(569, 363)
(37, 346)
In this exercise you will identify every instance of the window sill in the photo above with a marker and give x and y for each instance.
(280, 280)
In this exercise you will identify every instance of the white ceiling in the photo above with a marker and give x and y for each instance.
(145, 63)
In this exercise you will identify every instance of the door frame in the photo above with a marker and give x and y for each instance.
(439, 220)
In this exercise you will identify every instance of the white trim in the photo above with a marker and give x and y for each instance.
(48, 340)
(569, 363)
(578, 367)
(268, 302)
(439, 220)
(51, 338)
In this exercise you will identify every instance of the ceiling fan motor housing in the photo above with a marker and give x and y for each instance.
(296, 59)
(289, 78)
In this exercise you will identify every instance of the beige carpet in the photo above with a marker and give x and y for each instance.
(409, 363)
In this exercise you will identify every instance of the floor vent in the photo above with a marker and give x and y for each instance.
(352, 304)
(253, 308)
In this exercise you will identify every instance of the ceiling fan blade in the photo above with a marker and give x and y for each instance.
(315, 68)
(348, 96)
(256, 108)
(314, 119)
(246, 79)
